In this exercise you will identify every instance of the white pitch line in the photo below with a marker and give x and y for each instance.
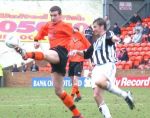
(23, 105)
(26, 105)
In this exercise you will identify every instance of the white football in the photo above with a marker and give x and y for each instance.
(12, 41)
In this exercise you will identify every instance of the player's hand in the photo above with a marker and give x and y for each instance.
(72, 53)
(36, 45)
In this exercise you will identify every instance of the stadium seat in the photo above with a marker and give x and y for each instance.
(143, 44)
(123, 29)
(148, 23)
(145, 49)
(128, 65)
(130, 54)
(136, 53)
(48, 65)
(119, 65)
(124, 32)
(139, 49)
(41, 69)
(143, 23)
(132, 24)
(129, 29)
(129, 49)
(46, 69)
(118, 46)
(146, 20)
(131, 45)
(133, 49)
(142, 53)
(132, 58)
(137, 45)
(148, 45)
(139, 58)
(123, 63)
(137, 61)
(130, 32)
(147, 56)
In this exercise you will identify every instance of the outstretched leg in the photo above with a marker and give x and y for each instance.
(66, 98)
(103, 108)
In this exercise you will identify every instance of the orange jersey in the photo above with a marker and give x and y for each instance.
(78, 42)
(59, 34)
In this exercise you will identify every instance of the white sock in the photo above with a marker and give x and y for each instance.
(103, 108)
(115, 90)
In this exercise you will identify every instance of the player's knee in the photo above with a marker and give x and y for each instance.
(102, 83)
(99, 84)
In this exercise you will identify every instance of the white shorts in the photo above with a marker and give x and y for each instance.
(108, 70)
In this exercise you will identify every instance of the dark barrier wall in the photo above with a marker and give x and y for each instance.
(121, 15)
(20, 79)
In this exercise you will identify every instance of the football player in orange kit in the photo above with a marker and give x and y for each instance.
(59, 34)
(78, 42)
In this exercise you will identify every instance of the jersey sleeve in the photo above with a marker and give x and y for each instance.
(42, 32)
(109, 35)
(89, 52)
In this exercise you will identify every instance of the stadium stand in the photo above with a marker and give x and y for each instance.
(139, 53)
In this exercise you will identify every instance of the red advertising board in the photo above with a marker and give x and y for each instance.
(140, 82)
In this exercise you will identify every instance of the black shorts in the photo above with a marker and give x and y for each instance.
(63, 56)
(75, 68)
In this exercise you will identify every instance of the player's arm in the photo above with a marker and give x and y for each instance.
(115, 39)
(111, 38)
(86, 53)
(40, 35)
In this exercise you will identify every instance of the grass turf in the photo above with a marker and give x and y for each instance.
(42, 103)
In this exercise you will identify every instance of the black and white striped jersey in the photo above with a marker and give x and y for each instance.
(104, 50)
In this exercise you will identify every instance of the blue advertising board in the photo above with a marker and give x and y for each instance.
(45, 82)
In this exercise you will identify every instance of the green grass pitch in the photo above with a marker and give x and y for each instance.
(42, 103)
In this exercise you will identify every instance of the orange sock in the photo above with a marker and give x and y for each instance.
(68, 101)
(35, 55)
(78, 93)
(74, 90)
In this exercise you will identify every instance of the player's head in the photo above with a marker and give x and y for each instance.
(55, 13)
(99, 25)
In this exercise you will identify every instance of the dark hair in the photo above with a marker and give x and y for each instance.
(55, 8)
(100, 22)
